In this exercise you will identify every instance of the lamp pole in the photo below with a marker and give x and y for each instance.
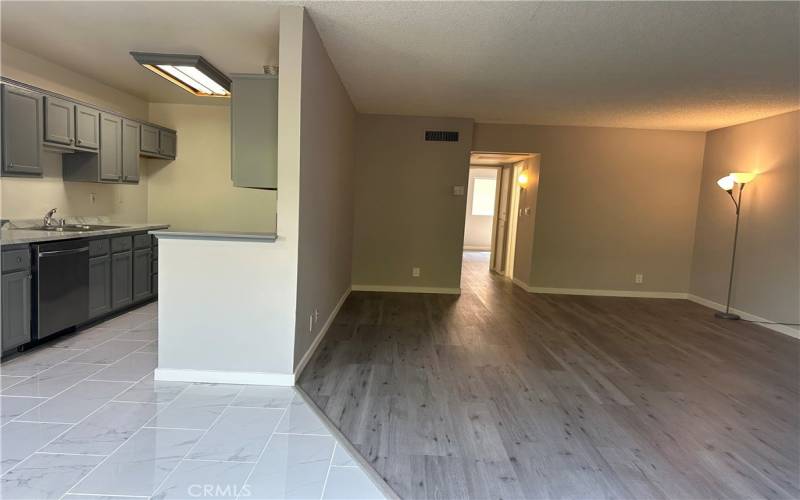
(738, 203)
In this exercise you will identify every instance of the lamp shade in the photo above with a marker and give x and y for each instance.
(742, 177)
(726, 183)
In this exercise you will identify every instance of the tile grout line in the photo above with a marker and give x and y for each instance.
(169, 475)
(115, 449)
(263, 449)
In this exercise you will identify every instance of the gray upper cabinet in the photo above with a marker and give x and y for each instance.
(167, 143)
(59, 121)
(110, 147)
(22, 131)
(254, 131)
(87, 128)
(149, 139)
(130, 151)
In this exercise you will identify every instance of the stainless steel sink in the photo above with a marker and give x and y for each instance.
(73, 228)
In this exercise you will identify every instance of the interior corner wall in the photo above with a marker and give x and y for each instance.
(30, 198)
(612, 203)
(405, 212)
(194, 191)
(327, 162)
(526, 222)
(767, 273)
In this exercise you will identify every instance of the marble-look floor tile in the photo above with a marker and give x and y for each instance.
(145, 335)
(75, 496)
(86, 339)
(153, 391)
(342, 458)
(75, 403)
(52, 381)
(238, 436)
(44, 476)
(151, 347)
(20, 439)
(300, 419)
(7, 381)
(197, 407)
(292, 466)
(36, 361)
(13, 407)
(109, 352)
(141, 464)
(350, 483)
(127, 321)
(205, 480)
(265, 396)
(131, 368)
(105, 430)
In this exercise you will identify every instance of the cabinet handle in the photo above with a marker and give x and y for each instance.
(78, 142)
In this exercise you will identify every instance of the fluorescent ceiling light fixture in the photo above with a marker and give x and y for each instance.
(726, 183)
(189, 72)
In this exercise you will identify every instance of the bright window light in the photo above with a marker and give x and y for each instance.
(483, 191)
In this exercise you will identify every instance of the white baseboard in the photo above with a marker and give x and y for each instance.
(600, 292)
(785, 329)
(223, 377)
(313, 347)
(405, 289)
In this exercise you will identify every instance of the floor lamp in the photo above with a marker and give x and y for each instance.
(727, 183)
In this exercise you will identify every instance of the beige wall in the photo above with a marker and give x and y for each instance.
(611, 203)
(24, 198)
(327, 158)
(478, 228)
(526, 221)
(195, 190)
(405, 212)
(767, 276)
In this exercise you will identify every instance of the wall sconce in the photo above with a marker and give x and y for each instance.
(727, 184)
(522, 179)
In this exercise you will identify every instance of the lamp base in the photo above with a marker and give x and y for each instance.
(724, 315)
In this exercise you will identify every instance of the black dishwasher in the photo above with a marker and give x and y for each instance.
(61, 286)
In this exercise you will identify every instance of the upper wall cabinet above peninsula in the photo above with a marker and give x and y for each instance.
(97, 145)
(254, 131)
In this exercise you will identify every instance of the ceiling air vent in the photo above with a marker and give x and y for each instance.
(441, 136)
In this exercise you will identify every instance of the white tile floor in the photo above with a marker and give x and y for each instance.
(82, 418)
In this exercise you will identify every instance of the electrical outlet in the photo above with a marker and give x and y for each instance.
(639, 278)
(92, 198)
(415, 272)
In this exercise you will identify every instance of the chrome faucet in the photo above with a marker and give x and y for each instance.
(49, 220)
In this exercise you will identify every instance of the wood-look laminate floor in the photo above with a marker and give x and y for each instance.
(498, 393)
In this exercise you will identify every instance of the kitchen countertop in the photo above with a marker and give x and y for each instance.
(216, 235)
(15, 236)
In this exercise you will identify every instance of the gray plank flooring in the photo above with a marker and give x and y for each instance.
(498, 393)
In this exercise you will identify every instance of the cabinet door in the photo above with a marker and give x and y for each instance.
(149, 138)
(99, 286)
(59, 121)
(110, 147)
(130, 151)
(121, 279)
(167, 143)
(22, 131)
(141, 274)
(16, 310)
(87, 127)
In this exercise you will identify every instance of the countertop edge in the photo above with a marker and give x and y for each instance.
(215, 235)
(28, 239)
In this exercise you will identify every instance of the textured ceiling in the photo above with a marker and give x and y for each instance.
(687, 66)
(95, 38)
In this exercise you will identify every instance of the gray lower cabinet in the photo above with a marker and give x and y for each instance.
(99, 286)
(130, 151)
(110, 147)
(142, 285)
(16, 309)
(254, 131)
(121, 279)
(21, 131)
(87, 128)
